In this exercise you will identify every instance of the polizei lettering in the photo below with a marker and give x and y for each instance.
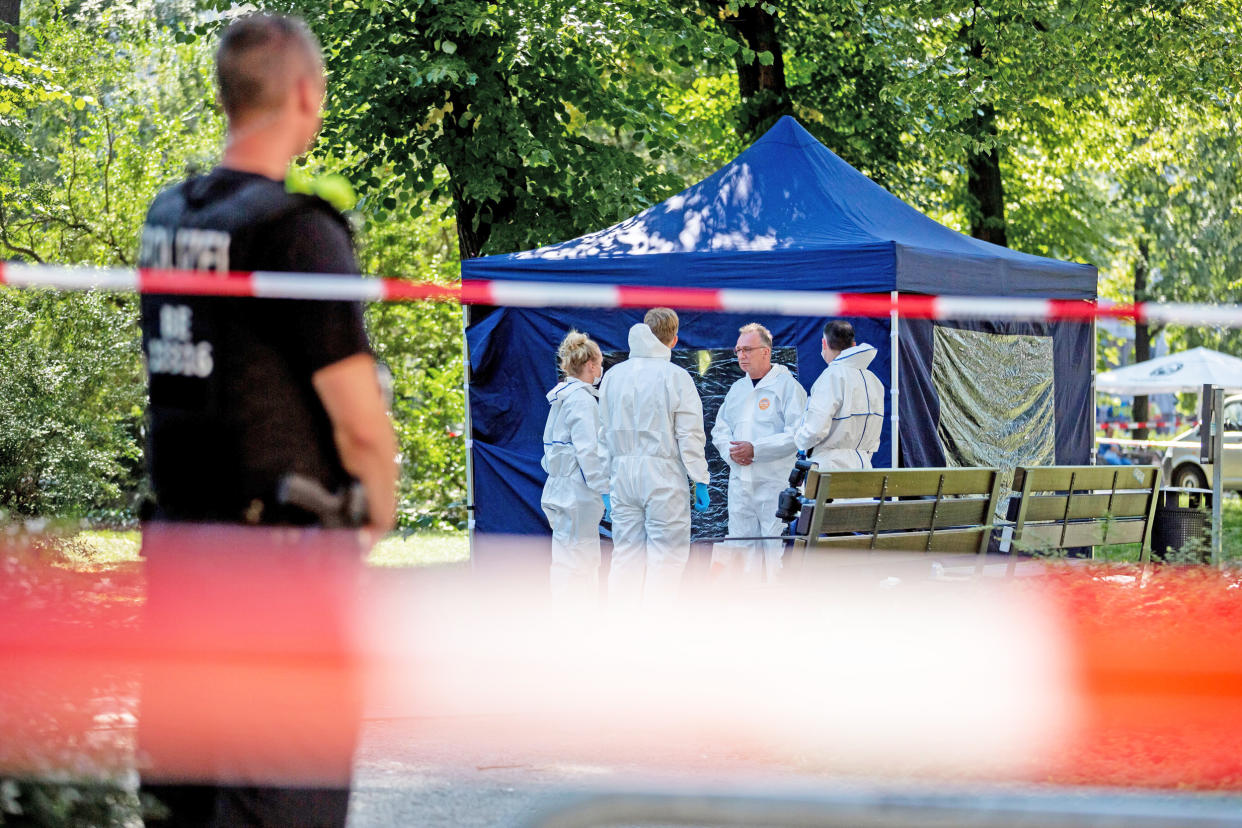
(190, 248)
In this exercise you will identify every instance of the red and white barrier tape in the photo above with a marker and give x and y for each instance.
(1162, 444)
(1121, 425)
(1122, 441)
(559, 294)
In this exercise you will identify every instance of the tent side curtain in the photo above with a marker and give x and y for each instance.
(922, 441)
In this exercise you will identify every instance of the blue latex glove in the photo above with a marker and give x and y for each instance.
(607, 508)
(702, 498)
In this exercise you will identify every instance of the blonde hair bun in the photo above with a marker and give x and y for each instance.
(575, 351)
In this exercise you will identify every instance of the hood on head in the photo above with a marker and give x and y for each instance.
(643, 343)
(859, 356)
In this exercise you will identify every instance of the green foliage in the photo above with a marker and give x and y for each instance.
(26, 85)
(526, 117)
(80, 190)
(42, 804)
(1064, 81)
(71, 386)
(837, 70)
(1187, 201)
(71, 396)
(421, 345)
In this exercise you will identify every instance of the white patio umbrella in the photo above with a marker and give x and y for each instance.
(1187, 371)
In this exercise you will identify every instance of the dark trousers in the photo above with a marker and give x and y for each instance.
(250, 701)
(202, 806)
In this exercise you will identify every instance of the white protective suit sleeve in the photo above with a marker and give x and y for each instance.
(820, 409)
(776, 446)
(722, 433)
(582, 421)
(688, 428)
(604, 430)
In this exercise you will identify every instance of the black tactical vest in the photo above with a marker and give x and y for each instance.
(231, 408)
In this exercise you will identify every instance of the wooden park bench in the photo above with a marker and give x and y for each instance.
(912, 510)
(952, 510)
(1067, 507)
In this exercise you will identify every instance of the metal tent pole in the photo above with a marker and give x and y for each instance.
(894, 374)
(469, 433)
(1095, 356)
(1218, 439)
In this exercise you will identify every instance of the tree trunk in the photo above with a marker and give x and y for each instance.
(476, 218)
(1142, 339)
(763, 90)
(470, 240)
(983, 181)
(10, 20)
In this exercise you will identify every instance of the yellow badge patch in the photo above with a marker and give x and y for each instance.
(764, 404)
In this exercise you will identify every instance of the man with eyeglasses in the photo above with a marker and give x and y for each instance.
(754, 433)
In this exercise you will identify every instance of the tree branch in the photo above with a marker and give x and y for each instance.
(4, 239)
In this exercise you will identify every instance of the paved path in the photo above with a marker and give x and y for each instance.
(451, 771)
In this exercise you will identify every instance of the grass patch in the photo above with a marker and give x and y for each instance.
(1231, 532)
(421, 549)
(104, 549)
(101, 549)
(1231, 528)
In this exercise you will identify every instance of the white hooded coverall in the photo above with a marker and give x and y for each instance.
(841, 427)
(572, 496)
(764, 414)
(652, 424)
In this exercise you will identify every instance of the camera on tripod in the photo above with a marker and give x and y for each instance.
(789, 505)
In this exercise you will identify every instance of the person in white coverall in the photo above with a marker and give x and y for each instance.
(575, 496)
(652, 424)
(841, 427)
(754, 433)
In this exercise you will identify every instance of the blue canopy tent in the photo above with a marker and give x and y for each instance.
(787, 213)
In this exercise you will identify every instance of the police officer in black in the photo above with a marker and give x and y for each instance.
(244, 393)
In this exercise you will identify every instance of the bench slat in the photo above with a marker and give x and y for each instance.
(1084, 533)
(905, 482)
(906, 514)
(1057, 478)
(944, 540)
(1052, 507)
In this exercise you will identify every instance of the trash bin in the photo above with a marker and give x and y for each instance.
(1181, 516)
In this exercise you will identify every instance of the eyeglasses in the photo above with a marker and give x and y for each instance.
(746, 349)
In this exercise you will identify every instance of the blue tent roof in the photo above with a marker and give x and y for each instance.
(789, 213)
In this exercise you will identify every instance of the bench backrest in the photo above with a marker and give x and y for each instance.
(1062, 507)
(928, 510)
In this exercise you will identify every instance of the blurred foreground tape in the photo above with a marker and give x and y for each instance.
(258, 647)
(1159, 672)
(236, 656)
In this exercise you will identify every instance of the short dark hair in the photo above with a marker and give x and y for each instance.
(259, 57)
(840, 334)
